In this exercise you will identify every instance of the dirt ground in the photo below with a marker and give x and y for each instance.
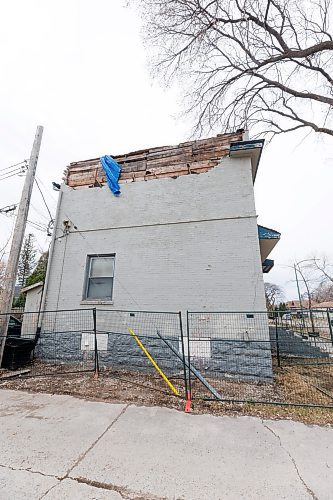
(148, 390)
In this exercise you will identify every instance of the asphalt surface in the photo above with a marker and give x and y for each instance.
(59, 447)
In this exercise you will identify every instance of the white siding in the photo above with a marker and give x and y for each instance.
(185, 243)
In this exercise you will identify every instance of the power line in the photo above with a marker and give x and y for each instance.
(44, 199)
(40, 214)
(36, 225)
(17, 172)
(25, 162)
(49, 192)
(41, 226)
(17, 169)
(2, 250)
(11, 171)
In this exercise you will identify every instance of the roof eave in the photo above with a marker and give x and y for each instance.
(31, 287)
(248, 149)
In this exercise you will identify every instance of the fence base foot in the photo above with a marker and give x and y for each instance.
(188, 403)
(96, 375)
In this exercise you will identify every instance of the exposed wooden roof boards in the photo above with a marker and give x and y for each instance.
(193, 157)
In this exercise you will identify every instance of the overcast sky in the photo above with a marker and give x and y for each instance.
(80, 69)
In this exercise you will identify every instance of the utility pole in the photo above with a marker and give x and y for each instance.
(297, 268)
(299, 297)
(18, 235)
(298, 290)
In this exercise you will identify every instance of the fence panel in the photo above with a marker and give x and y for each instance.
(52, 343)
(126, 339)
(145, 347)
(251, 357)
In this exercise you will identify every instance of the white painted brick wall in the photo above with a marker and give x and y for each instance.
(180, 260)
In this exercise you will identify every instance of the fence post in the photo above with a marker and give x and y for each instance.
(329, 324)
(183, 352)
(189, 393)
(95, 343)
(277, 341)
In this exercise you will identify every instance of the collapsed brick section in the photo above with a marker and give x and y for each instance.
(193, 157)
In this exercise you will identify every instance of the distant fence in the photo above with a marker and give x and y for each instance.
(248, 357)
(313, 323)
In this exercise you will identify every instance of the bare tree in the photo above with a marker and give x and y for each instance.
(274, 294)
(2, 274)
(323, 293)
(323, 270)
(3, 265)
(259, 64)
(309, 280)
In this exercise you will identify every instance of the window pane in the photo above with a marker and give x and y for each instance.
(101, 266)
(100, 288)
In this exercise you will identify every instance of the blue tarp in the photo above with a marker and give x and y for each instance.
(112, 171)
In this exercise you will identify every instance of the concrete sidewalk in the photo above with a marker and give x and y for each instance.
(59, 447)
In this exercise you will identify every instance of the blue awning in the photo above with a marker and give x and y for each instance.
(268, 238)
(265, 233)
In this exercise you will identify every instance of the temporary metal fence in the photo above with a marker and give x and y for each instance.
(256, 357)
(248, 357)
(133, 344)
(50, 342)
(141, 347)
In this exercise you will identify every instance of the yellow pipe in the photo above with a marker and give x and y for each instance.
(155, 365)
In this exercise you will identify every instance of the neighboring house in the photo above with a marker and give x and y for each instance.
(324, 305)
(296, 304)
(33, 297)
(182, 235)
(33, 300)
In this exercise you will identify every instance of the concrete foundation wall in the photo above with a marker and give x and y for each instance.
(247, 361)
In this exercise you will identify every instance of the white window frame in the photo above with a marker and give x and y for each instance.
(90, 259)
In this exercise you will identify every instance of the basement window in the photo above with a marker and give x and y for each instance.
(99, 277)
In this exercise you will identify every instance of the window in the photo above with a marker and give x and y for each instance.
(99, 278)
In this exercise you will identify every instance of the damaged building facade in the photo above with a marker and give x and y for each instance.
(183, 235)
